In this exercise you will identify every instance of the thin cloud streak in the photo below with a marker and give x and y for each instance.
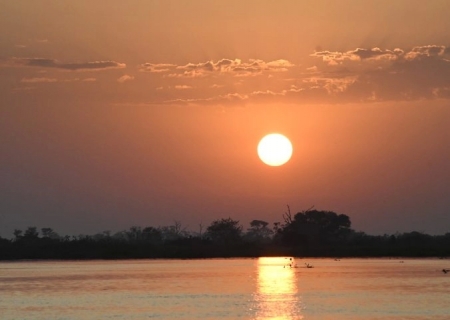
(182, 87)
(125, 78)
(224, 66)
(156, 68)
(53, 80)
(52, 63)
(38, 80)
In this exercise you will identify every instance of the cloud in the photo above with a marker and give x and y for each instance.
(281, 63)
(357, 55)
(32, 42)
(291, 95)
(376, 54)
(124, 78)
(209, 66)
(227, 99)
(188, 74)
(51, 80)
(331, 85)
(224, 66)
(362, 75)
(182, 87)
(37, 80)
(356, 75)
(22, 89)
(156, 68)
(427, 51)
(52, 63)
(422, 72)
(236, 67)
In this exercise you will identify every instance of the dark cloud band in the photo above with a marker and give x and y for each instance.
(51, 63)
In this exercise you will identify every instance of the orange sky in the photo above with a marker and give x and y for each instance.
(145, 112)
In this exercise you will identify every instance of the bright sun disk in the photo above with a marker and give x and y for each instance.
(274, 149)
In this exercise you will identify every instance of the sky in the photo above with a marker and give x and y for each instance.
(145, 113)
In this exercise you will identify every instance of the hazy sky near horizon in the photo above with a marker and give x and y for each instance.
(123, 113)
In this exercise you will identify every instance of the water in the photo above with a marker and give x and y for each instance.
(263, 288)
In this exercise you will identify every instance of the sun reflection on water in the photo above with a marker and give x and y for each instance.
(277, 292)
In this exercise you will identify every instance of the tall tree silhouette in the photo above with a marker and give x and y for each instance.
(224, 231)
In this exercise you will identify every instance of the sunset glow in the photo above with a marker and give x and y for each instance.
(142, 113)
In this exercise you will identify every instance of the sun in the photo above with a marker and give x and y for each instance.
(274, 149)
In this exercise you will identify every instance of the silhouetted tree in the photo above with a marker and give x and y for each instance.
(224, 231)
(49, 233)
(313, 226)
(17, 234)
(31, 233)
(134, 234)
(103, 236)
(173, 232)
(307, 233)
(152, 235)
(259, 232)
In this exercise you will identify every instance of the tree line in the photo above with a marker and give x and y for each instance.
(309, 233)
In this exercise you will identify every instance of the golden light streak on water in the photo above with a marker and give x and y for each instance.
(277, 289)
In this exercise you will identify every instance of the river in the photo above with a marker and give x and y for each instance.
(263, 288)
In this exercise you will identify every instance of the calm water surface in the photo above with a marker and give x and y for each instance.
(226, 289)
